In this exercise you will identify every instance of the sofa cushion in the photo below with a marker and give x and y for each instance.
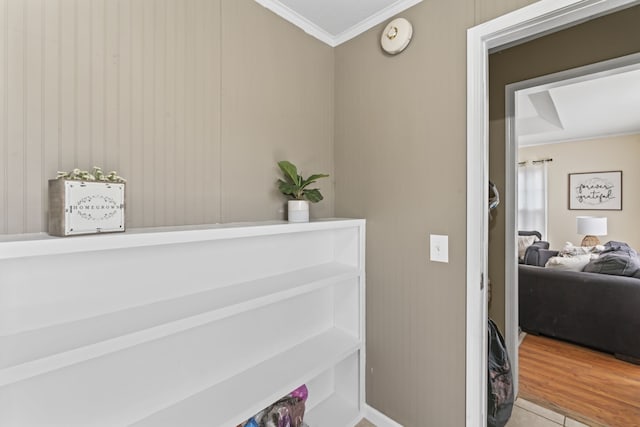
(617, 258)
(572, 263)
(538, 254)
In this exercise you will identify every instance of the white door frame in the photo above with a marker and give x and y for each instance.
(543, 17)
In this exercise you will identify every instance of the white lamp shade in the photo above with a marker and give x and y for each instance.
(592, 226)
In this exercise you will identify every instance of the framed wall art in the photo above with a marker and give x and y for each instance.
(595, 191)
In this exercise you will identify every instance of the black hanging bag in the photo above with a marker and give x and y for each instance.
(499, 381)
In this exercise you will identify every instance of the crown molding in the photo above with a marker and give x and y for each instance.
(334, 40)
(298, 20)
(373, 20)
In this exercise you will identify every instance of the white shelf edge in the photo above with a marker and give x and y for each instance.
(28, 245)
(61, 360)
(340, 271)
(313, 362)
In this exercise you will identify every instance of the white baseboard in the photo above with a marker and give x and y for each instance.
(378, 418)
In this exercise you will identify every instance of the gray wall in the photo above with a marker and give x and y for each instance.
(604, 38)
(401, 163)
(193, 101)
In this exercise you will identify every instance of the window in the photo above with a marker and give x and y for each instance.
(532, 197)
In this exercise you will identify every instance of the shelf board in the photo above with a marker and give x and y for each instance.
(32, 353)
(37, 244)
(236, 399)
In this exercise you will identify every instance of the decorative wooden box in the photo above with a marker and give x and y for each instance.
(85, 207)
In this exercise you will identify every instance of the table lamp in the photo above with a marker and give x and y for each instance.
(591, 227)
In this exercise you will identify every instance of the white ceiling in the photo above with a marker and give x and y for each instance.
(579, 109)
(336, 21)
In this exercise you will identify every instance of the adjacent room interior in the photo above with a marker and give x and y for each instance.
(566, 120)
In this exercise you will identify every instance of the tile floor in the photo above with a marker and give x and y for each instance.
(526, 414)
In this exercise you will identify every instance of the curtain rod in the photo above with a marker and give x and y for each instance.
(535, 162)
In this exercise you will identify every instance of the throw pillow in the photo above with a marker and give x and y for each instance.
(523, 243)
(572, 263)
(618, 259)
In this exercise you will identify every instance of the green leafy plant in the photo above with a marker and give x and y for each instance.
(295, 186)
(95, 175)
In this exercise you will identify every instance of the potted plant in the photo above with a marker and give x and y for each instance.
(295, 186)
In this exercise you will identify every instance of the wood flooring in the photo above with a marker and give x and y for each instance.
(589, 386)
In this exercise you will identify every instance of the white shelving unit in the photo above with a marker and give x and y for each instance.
(182, 326)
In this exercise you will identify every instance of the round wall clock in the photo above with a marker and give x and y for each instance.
(396, 36)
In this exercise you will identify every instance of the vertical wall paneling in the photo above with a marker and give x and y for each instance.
(179, 132)
(33, 114)
(50, 99)
(221, 122)
(214, 185)
(159, 141)
(68, 88)
(111, 61)
(84, 92)
(97, 79)
(170, 112)
(200, 84)
(16, 113)
(208, 147)
(208, 45)
(135, 177)
(125, 99)
(4, 102)
(195, 86)
(148, 105)
(189, 116)
(136, 86)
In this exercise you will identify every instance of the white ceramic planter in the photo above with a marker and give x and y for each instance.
(298, 210)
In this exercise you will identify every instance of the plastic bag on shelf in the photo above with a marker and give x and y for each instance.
(286, 412)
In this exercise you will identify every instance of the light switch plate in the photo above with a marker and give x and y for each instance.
(439, 248)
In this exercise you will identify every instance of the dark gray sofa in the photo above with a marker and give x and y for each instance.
(601, 311)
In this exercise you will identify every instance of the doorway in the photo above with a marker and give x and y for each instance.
(541, 18)
(597, 76)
